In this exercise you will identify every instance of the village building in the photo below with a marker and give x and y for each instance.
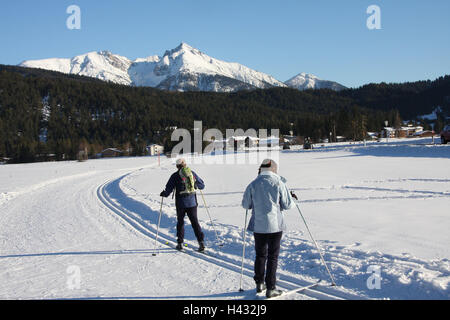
(154, 149)
(111, 153)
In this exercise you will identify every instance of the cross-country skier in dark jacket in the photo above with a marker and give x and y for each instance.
(185, 181)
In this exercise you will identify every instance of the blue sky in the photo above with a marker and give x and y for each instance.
(283, 38)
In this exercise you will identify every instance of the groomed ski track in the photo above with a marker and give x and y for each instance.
(143, 219)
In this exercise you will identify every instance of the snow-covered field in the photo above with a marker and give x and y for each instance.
(87, 230)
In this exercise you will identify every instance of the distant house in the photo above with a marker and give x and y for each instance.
(251, 142)
(424, 134)
(237, 142)
(269, 142)
(389, 132)
(409, 131)
(296, 140)
(83, 155)
(154, 149)
(111, 153)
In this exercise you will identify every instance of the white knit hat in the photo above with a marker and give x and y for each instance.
(269, 165)
(181, 162)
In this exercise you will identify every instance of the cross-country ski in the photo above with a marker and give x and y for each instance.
(296, 290)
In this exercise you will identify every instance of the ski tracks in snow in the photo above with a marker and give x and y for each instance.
(142, 216)
(403, 275)
(101, 215)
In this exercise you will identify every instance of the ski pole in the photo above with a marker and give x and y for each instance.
(157, 230)
(333, 283)
(244, 232)
(212, 223)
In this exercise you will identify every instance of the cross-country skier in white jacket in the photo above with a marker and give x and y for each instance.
(267, 196)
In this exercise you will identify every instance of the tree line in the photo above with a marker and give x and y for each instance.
(46, 113)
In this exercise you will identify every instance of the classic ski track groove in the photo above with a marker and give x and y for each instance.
(296, 290)
(211, 256)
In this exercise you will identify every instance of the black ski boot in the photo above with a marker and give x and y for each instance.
(260, 287)
(272, 293)
(179, 247)
(201, 246)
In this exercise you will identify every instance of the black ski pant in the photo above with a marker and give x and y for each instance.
(192, 215)
(267, 247)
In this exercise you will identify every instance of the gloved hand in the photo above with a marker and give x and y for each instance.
(294, 195)
(162, 194)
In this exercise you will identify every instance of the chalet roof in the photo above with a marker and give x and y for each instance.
(112, 149)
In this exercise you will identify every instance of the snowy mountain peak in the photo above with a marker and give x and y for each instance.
(308, 76)
(187, 68)
(105, 53)
(304, 81)
(183, 68)
(184, 46)
(102, 65)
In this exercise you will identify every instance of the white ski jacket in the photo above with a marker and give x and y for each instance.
(267, 196)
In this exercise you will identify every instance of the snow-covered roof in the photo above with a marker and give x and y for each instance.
(112, 149)
(408, 128)
(244, 137)
(419, 133)
(237, 138)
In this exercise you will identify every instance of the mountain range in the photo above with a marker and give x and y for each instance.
(181, 69)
